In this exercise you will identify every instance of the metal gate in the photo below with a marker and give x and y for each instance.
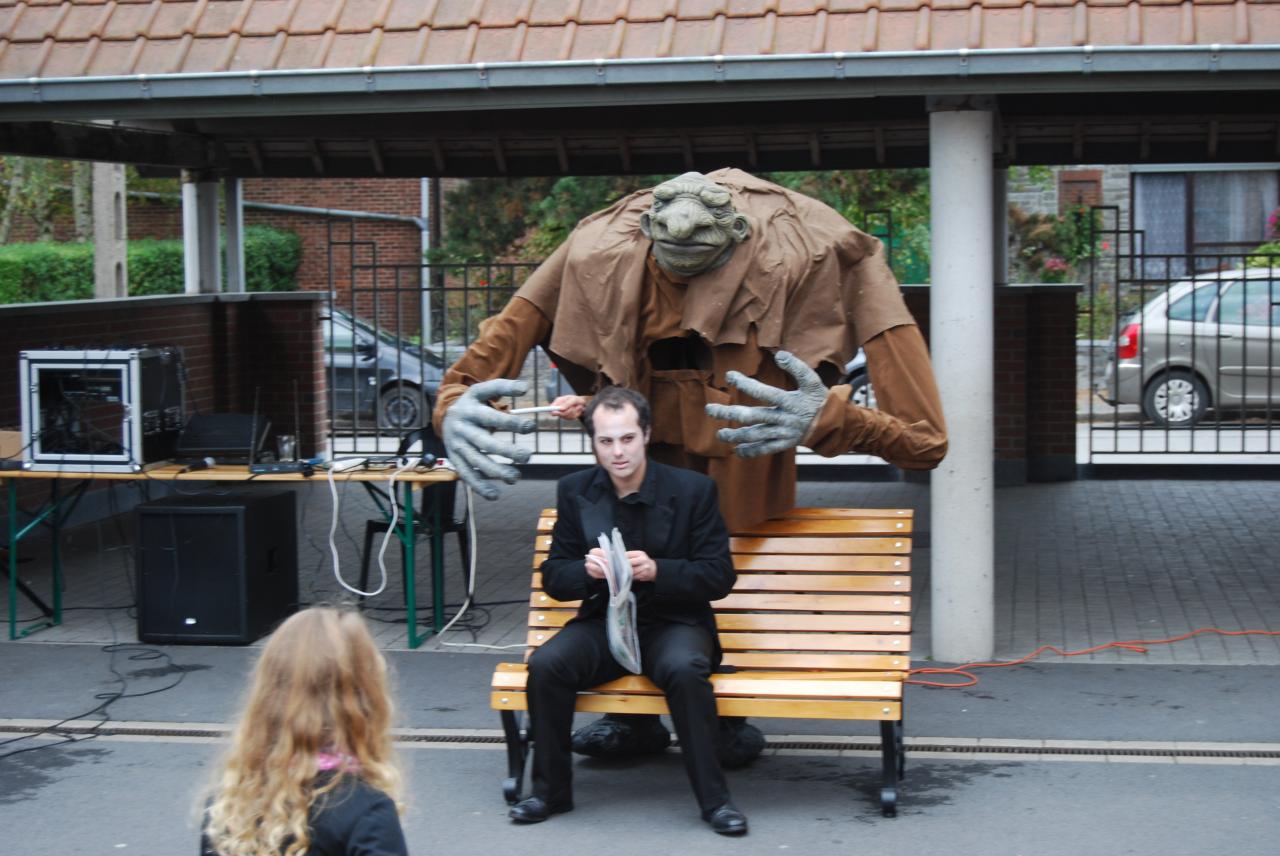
(1184, 360)
(392, 329)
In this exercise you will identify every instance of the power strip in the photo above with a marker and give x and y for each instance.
(303, 467)
(344, 464)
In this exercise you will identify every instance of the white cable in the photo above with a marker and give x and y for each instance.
(391, 528)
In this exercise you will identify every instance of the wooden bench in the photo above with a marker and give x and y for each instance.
(817, 627)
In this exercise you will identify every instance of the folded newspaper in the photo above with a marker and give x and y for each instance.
(620, 619)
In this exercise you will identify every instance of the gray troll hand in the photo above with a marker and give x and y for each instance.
(469, 424)
(777, 428)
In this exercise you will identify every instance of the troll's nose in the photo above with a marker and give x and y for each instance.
(684, 217)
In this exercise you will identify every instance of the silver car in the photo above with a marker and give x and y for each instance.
(1213, 341)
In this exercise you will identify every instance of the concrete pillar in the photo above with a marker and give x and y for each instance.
(961, 312)
(202, 273)
(1000, 221)
(233, 202)
(110, 231)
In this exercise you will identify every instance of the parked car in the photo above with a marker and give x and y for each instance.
(1206, 342)
(376, 376)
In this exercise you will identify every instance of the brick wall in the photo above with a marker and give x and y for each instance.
(1034, 414)
(232, 345)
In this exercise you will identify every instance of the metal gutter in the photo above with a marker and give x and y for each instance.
(515, 84)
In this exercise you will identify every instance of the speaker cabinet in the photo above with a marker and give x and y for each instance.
(216, 570)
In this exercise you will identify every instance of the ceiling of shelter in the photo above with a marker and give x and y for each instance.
(494, 87)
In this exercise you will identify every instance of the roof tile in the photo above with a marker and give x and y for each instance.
(948, 30)
(895, 31)
(34, 24)
(844, 33)
(549, 12)
(127, 20)
(1264, 24)
(702, 9)
(252, 54)
(410, 14)
(205, 54)
(218, 17)
(309, 19)
(64, 60)
(156, 57)
(650, 10)
(79, 23)
(111, 58)
(444, 47)
(742, 36)
(452, 14)
(503, 13)
(801, 7)
(794, 34)
(542, 44)
(18, 59)
(641, 40)
(170, 20)
(1001, 27)
(693, 38)
(590, 41)
(601, 11)
(1215, 25)
(299, 51)
(350, 50)
(492, 44)
(397, 48)
(266, 17)
(1109, 26)
(360, 16)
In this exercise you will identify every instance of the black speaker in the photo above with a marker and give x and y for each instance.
(216, 570)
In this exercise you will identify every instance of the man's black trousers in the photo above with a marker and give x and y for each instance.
(676, 657)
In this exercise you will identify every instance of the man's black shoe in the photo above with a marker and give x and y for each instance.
(536, 810)
(727, 820)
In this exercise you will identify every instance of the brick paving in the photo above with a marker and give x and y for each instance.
(1078, 564)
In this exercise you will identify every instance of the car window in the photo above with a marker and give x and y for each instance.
(1194, 305)
(338, 337)
(1251, 303)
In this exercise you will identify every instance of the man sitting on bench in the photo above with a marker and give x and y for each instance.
(678, 546)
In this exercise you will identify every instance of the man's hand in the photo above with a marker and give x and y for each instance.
(569, 406)
(468, 436)
(597, 563)
(643, 569)
(779, 427)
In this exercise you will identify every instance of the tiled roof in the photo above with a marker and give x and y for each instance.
(49, 38)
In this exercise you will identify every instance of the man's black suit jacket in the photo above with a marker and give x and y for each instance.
(683, 533)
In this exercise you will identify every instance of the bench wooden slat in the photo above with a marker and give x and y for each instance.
(725, 706)
(776, 622)
(805, 513)
(805, 562)
(774, 602)
(835, 662)
(745, 684)
(733, 641)
(816, 546)
(837, 526)
(782, 583)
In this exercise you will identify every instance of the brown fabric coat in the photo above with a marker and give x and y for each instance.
(805, 281)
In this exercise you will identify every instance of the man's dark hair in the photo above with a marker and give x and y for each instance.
(617, 398)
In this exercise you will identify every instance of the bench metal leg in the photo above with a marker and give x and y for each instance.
(517, 755)
(893, 762)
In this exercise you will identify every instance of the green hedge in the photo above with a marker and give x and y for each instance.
(31, 273)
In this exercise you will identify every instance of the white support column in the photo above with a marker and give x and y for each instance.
(233, 202)
(1000, 221)
(110, 232)
(961, 312)
(202, 272)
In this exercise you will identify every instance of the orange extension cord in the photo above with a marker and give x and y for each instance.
(1138, 646)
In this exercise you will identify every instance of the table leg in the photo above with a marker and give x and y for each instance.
(13, 558)
(55, 523)
(437, 568)
(408, 546)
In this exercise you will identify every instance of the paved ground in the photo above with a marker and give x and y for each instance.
(1170, 752)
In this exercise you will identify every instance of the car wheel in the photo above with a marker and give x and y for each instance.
(401, 407)
(1175, 399)
(860, 392)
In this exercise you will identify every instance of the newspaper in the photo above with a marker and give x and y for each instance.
(620, 620)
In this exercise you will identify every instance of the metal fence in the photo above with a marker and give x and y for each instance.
(1191, 362)
(384, 373)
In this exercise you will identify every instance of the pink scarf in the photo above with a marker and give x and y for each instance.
(327, 760)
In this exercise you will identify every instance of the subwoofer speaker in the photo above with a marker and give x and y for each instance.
(216, 570)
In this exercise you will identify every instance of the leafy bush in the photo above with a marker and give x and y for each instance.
(31, 273)
(1266, 255)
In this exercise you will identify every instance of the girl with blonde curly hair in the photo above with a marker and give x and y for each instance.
(310, 770)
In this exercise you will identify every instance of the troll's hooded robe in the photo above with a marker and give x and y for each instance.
(804, 280)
